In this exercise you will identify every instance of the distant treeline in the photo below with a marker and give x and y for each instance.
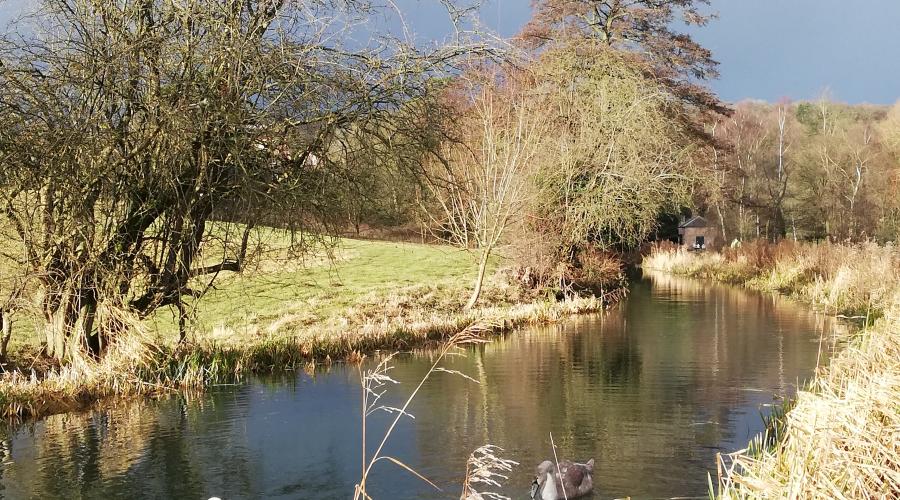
(817, 170)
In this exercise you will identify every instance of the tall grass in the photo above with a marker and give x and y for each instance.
(849, 280)
(483, 466)
(839, 438)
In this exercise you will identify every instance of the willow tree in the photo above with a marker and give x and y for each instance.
(623, 89)
(644, 28)
(129, 126)
(620, 151)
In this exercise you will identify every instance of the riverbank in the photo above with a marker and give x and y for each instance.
(289, 314)
(841, 439)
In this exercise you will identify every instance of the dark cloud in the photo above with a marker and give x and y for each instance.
(769, 49)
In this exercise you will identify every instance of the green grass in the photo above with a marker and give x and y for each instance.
(282, 296)
(289, 296)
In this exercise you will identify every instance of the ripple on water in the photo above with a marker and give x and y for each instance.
(652, 391)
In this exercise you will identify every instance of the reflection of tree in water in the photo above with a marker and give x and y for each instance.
(140, 449)
(71, 453)
(613, 358)
(5, 459)
(621, 365)
(653, 389)
(173, 457)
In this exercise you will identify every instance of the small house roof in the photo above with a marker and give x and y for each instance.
(694, 222)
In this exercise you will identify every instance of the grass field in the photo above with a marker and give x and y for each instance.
(283, 297)
(322, 290)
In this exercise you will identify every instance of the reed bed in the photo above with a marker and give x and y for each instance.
(839, 438)
(849, 280)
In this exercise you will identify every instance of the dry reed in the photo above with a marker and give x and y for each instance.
(850, 280)
(374, 384)
(485, 468)
(841, 437)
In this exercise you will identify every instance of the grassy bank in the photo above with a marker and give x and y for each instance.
(287, 314)
(841, 439)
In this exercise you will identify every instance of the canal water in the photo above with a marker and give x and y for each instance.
(652, 390)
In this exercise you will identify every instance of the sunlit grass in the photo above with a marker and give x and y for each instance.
(850, 280)
(138, 365)
(841, 439)
(283, 297)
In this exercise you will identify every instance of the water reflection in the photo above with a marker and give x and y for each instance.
(651, 390)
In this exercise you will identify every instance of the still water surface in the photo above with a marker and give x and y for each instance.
(652, 391)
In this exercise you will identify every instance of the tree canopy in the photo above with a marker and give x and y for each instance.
(644, 26)
(128, 128)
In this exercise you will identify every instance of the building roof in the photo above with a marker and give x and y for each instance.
(694, 222)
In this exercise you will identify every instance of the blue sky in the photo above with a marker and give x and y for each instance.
(768, 49)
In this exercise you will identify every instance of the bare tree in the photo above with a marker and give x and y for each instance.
(778, 188)
(142, 141)
(484, 189)
(818, 169)
(760, 138)
(846, 155)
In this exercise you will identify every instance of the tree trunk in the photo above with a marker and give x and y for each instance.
(722, 222)
(84, 327)
(58, 311)
(779, 223)
(70, 323)
(6, 329)
(182, 320)
(482, 267)
(794, 226)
